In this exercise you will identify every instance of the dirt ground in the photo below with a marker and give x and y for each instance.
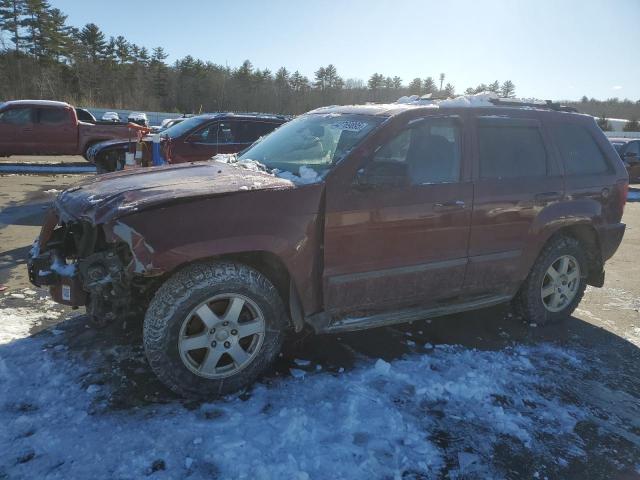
(605, 331)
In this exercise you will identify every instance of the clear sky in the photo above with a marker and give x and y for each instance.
(558, 49)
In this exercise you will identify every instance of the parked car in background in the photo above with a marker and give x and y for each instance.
(364, 216)
(629, 151)
(44, 127)
(111, 117)
(192, 139)
(139, 118)
(85, 115)
(170, 122)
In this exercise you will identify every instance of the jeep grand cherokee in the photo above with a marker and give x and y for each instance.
(400, 213)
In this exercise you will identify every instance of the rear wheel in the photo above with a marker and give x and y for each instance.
(212, 328)
(555, 284)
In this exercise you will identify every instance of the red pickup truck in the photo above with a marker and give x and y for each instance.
(44, 127)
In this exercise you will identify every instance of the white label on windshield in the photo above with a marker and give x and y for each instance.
(350, 125)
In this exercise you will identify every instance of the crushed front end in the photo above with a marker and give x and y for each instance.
(84, 266)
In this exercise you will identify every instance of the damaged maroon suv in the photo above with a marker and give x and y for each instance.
(345, 218)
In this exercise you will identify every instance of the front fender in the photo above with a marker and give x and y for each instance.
(97, 149)
(282, 223)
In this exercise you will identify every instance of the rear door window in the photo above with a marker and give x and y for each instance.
(511, 150)
(17, 116)
(579, 150)
(250, 131)
(53, 116)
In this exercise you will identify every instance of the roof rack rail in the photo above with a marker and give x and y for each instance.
(545, 104)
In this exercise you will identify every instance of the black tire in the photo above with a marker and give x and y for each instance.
(183, 292)
(528, 302)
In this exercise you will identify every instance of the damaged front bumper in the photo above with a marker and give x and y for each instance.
(82, 268)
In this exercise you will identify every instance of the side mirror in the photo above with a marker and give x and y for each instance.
(381, 174)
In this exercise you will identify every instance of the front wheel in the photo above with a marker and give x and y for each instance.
(212, 328)
(556, 283)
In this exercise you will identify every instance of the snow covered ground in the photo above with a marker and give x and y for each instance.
(472, 396)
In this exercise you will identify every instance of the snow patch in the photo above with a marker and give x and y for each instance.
(463, 101)
(305, 174)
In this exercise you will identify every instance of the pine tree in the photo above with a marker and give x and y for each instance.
(449, 90)
(376, 81)
(299, 82)
(58, 42)
(123, 50)
(93, 41)
(37, 27)
(508, 89)
(397, 82)
(282, 79)
(429, 86)
(332, 79)
(160, 73)
(320, 78)
(11, 12)
(494, 87)
(415, 87)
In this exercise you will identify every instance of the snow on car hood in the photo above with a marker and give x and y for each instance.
(106, 197)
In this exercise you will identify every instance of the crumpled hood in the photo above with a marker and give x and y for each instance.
(105, 197)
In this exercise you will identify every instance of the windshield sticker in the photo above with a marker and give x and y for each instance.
(350, 125)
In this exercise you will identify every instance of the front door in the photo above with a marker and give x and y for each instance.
(16, 131)
(200, 145)
(396, 235)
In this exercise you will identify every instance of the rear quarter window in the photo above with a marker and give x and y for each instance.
(511, 151)
(579, 150)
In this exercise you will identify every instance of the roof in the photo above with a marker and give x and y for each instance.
(390, 110)
(378, 109)
(240, 115)
(36, 103)
(486, 102)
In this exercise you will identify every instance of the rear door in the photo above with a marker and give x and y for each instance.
(397, 234)
(16, 130)
(516, 177)
(55, 131)
(590, 165)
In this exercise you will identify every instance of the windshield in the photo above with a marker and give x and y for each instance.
(181, 128)
(314, 141)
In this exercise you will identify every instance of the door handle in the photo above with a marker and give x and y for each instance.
(548, 197)
(448, 206)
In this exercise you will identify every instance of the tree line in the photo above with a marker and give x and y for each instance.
(42, 56)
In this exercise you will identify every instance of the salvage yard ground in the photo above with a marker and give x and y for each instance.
(476, 395)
